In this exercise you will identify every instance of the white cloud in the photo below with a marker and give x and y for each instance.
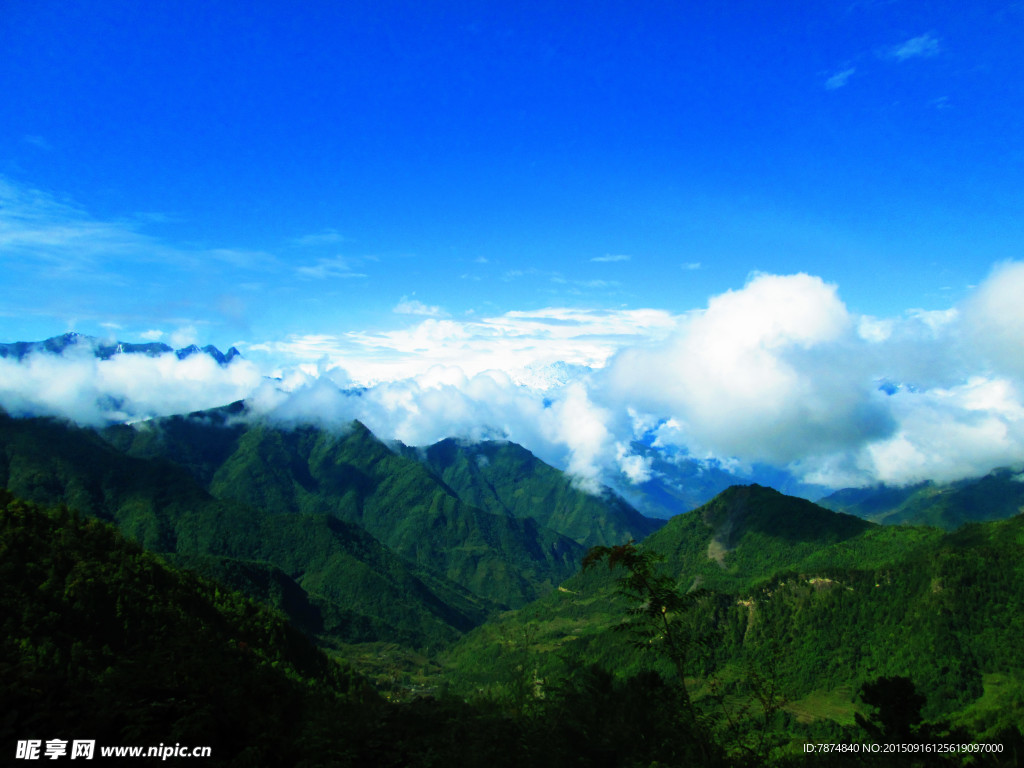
(947, 434)
(779, 371)
(993, 319)
(91, 391)
(409, 306)
(184, 337)
(611, 257)
(874, 329)
(839, 79)
(565, 428)
(516, 342)
(336, 267)
(761, 374)
(39, 142)
(922, 46)
(636, 468)
(55, 239)
(68, 263)
(327, 237)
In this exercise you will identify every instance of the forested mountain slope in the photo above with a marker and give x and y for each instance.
(353, 476)
(816, 602)
(505, 478)
(357, 588)
(103, 641)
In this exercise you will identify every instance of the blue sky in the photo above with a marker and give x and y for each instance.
(388, 186)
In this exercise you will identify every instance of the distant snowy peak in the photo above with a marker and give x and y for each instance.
(104, 350)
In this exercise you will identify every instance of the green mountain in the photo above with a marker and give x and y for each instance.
(996, 496)
(354, 587)
(784, 610)
(814, 602)
(506, 479)
(104, 641)
(354, 477)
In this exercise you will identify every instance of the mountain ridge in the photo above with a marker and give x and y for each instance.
(996, 495)
(105, 349)
(160, 505)
(352, 475)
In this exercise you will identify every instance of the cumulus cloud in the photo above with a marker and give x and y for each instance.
(993, 319)
(565, 428)
(781, 372)
(946, 434)
(761, 373)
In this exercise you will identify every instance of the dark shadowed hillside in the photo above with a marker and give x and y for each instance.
(102, 640)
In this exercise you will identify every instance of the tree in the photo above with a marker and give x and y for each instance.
(660, 605)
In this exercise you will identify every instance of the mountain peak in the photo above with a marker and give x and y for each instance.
(758, 513)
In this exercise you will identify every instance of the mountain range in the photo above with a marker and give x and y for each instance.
(105, 349)
(455, 568)
(351, 538)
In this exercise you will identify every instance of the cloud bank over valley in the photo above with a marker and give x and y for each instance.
(778, 372)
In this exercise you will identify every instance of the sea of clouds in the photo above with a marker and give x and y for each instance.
(778, 372)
